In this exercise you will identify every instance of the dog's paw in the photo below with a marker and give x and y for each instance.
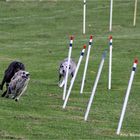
(16, 100)
(3, 95)
(61, 84)
(7, 96)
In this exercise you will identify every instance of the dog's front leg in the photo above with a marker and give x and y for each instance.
(60, 77)
(62, 84)
(17, 97)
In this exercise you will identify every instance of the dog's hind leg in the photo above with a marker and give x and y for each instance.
(8, 93)
(1, 87)
(4, 93)
(2, 84)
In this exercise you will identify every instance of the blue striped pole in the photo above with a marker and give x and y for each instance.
(95, 85)
(75, 74)
(127, 95)
(110, 63)
(69, 57)
(86, 64)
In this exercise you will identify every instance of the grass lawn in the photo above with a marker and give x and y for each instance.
(37, 33)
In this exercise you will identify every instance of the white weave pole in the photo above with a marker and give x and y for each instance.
(73, 79)
(67, 72)
(84, 17)
(111, 12)
(86, 65)
(127, 96)
(135, 13)
(110, 63)
(95, 85)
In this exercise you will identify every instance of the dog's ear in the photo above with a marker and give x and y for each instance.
(61, 66)
(20, 66)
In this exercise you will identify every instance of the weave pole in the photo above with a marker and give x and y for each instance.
(95, 85)
(75, 74)
(135, 13)
(84, 17)
(67, 72)
(110, 63)
(86, 65)
(111, 11)
(127, 95)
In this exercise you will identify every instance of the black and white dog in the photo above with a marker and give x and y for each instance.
(63, 70)
(18, 85)
(14, 67)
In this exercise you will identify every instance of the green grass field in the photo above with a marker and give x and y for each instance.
(37, 33)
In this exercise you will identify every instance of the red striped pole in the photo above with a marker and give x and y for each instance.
(69, 57)
(75, 74)
(86, 64)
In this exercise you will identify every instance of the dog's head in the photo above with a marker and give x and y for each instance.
(21, 73)
(63, 67)
(18, 85)
(18, 81)
(18, 66)
(63, 70)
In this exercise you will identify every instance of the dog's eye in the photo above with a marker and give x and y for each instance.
(23, 72)
(61, 66)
